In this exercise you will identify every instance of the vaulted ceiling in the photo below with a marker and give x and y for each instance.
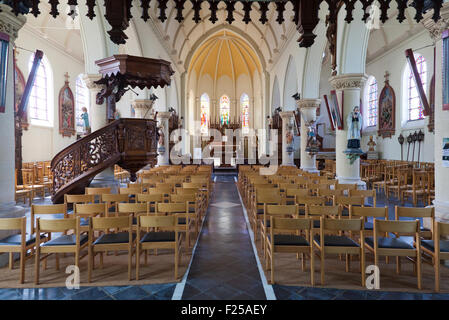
(182, 39)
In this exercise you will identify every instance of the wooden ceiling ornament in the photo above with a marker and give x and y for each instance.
(118, 12)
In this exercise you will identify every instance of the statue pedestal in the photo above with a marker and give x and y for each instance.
(372, 155)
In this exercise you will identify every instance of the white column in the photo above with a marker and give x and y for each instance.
(163, 159)
(9, 24)
(97, 112)
(308, 109)
(348, 86)
(97, 120)
(143, 108)
(287, 118)
(441, 201)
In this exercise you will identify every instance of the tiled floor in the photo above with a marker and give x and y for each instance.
(224, 266)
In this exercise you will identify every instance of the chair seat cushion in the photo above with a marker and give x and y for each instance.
(430, 245)
(16, 240)
(66, 240)
(289, 240)
(163, 236)
(111, 238)
(336, 241)
(390, 243)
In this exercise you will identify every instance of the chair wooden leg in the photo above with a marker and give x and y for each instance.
(57, 260)
(130, 263)
(303, 262)
(176, 262)
(138, 261)
(348, 262)
(146, 257)
(362, 268)
(22, 266)
(11, 261)
(36, 266)
(272, 266)
(437, 275)
(101, 260)
(418, 270)
(322, 267)
(398, 265)
(312, 268)
(90, 264)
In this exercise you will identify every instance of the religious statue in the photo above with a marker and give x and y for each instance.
(85, 118)
(371, 144)
(116, 115)
(354, 122)
(312, 143)
(289, 139)
(161, 141)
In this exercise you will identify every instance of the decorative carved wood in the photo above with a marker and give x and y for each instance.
(305, 12)
(122, 71)
(387, 110)
(130, 143)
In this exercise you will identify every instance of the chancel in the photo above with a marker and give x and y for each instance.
(224, 150)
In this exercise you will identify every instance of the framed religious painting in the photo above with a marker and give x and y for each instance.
(19, 83)
(333, 110)
(387, 111)
(66, 110)
(419, 86)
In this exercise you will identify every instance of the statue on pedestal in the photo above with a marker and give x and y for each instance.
(313, 145)
(371, 144)
(85, 118)
(355, 123)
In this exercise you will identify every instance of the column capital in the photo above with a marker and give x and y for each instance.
(348, 81)
(163, 115)
(436, 28)
(308, 103)
(287, 114)
(89, 80)
(10, 23)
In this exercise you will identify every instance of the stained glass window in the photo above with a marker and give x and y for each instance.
(37, 103)
(372, 102)
(415, 108)
(205, 110)
(244, 105)
(81, 100)
(224, 110)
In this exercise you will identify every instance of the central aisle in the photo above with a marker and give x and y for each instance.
(224, 266)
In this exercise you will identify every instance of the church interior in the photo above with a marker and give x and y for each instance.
(224, 150)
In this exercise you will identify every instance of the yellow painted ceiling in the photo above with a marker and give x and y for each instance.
(225, 53)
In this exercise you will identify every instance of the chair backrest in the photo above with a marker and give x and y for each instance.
(144, 197)
(132, 208)
(329, 224)
(342, 200)
(343, 186)
(398, 227)
(57, 225)
(379, 212)
(200, 185)
(90, 209)
(441, 229)
(297, 192)
(97, 190)
(106, 223)
(157, 221)
(279, 224)
(113, 198)
(172, 208)
(131, 191)
(284, 210)
(182, 198)
(14, 224)
(365, 194)
(329, 192)
(187, 191)
(322, 211)
(79, 198)
(414, 212)
(46, 209)
(310, 200)
(160, 190)
(270, 196)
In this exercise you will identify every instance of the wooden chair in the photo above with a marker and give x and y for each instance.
(366, 213)
(345, 202)
(89, 210)
(400, 184)
(289, 211)
(151, 199)
(133, 209)
(276, 241)
(20, 243)
(343, 186)
(309, 200)
(72, 243)
(194, 204)
(292, 194)
(315, 212)
(55, 210)
(22, 192)
(29, 183)
(329, 194)
(181, 211)
(365, 194)
(115, 241)
(418, 188)
(132, 191)
(417, 213)
(437, 248)
(97, 191)
(340, 244)
(262, 197)
(167, 239)
(112, 201)
(397, 246)
(72, 199)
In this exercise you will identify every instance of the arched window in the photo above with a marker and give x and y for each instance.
(244, 105)
(224, 110)
(413, 103)
(81, 100)
(205, 111)
(372, 102)
(38, 103)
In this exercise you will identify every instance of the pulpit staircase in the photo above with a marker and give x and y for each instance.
(130, 143)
